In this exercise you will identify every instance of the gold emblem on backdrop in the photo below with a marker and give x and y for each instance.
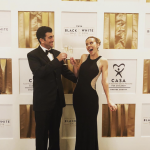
(147, 0)
(146, 76)
(67, 84)
(81, 0)
(120, 123)
(120, 31)
(28, 23)
(27, 121)
(5, 76)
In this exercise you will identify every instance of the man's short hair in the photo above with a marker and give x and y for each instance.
(40, 33)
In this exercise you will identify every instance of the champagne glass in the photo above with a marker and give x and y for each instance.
(65, 50)
(70, 51)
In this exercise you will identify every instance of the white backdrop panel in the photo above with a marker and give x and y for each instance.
(122, 76)
(145, 120)
(76, 27)
(6, 130)
(147, 30)
(68, 122)
(5, 29)
(26, 81)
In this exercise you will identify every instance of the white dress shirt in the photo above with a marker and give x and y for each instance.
(49, 55)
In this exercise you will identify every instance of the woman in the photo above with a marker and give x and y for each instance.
(85, 98)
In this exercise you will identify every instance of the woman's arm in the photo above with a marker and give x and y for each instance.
(104, 69)
(76, 67)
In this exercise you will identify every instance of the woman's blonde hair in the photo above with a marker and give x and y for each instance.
(97, 40)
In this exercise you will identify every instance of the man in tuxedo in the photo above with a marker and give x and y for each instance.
(47, 67)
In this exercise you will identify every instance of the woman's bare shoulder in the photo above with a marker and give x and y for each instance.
(103, 58)
(104, 61)
(84, 57)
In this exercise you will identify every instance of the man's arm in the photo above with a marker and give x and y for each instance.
(40, 70)
(76, 67)
(73, 76)
(68, 74)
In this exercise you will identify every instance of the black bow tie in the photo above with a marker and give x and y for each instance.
(49, 51)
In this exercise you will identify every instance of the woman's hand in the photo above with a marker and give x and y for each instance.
(73, 61)
(112, 106)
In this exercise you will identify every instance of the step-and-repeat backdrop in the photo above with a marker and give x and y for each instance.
(120, 33)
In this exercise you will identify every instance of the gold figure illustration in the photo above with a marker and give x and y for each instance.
(148, 1)
(67, 84)
(28, 23)
(27, 121)
(5, 76)
(120, 31)
(146, 76)
(120, 123)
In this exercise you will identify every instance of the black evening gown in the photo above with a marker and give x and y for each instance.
(85, 102)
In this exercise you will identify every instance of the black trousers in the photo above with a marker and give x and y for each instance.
(47, 127)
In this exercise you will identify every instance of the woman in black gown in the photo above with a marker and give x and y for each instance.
(85, 98)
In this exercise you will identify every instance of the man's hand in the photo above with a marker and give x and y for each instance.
(61, 56)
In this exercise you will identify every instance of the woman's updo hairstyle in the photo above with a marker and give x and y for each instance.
(97, 40)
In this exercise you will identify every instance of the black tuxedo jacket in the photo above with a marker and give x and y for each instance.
(47, 84)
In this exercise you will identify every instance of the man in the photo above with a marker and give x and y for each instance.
(47, 67)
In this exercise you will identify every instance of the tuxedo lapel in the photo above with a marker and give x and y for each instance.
(42, 54)
(55, 53)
